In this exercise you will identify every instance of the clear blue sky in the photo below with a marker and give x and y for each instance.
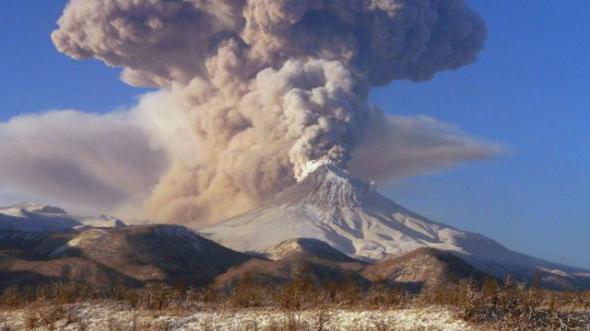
(530, 90)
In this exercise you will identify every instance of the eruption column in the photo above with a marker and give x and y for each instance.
(251, 91)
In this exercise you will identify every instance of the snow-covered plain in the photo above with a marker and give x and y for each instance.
(110, 316)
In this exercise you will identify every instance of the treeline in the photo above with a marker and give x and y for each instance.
(502, 305)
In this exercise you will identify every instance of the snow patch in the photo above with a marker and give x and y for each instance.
(23, 209)
(556, 272)
(36, 217)
(105, 316)
(310, 167)
(84, 238)
(102, 221)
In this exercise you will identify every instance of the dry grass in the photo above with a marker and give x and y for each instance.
(53, 318)
(513, 306)
(500, 306)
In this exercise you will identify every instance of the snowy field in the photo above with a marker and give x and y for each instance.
(114, 317)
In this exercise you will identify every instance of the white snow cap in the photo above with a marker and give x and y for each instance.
(312, 166)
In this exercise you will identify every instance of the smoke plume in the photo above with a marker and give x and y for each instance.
(251, 90)
(97, 163)
(399, 147)
(78, 159)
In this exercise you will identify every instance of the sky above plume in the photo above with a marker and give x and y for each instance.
(520, 111)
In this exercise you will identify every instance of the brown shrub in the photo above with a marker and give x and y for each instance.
(511, 306)
(246, 294)
(291, 323)
(380, 296)
(298, 294)
(52, 317)
(321, 318)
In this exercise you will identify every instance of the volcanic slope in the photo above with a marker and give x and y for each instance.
(350, 215)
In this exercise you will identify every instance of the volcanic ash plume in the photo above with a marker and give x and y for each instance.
(251, 91)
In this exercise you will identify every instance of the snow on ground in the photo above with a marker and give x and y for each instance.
(109, 316)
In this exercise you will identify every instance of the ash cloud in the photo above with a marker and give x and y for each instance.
(399, 147)
(98, 163)
(94, 161)
(253, 90)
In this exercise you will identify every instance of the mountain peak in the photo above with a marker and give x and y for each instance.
(306, 246)
(334, 187)
(311, 166)
(32, 217)
(31, 207)
(424, 266)
(326, 186)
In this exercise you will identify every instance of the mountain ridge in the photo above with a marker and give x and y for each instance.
(330, 215)
(32, 217)
(131, 256)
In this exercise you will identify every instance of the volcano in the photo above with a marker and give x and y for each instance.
(348, 214)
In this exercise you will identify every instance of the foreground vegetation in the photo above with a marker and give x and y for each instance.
(489, 305)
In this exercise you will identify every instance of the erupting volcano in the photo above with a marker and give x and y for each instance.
(252, 91)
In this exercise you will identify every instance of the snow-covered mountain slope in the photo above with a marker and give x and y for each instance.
(34, 217)
(102, 221)
(349, 215)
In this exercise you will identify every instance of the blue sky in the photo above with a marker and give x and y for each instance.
(529, 90)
